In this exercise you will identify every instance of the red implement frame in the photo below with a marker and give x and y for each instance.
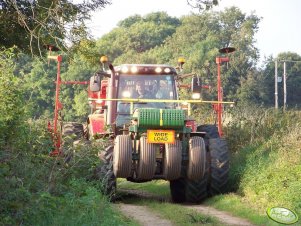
(53, 128)
(219, 107)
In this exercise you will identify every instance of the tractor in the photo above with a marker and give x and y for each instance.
(137, 107)
(151, 136)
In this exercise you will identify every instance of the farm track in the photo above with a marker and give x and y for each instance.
(146, 217)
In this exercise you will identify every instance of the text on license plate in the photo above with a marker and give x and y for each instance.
(161, 136)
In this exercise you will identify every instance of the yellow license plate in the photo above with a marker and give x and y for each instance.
(161, 136)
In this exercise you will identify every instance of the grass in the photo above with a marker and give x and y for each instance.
(266, 162)
(236, 205)
(267, 171)
(181, 216)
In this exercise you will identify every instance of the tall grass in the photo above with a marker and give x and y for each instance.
(266, 157)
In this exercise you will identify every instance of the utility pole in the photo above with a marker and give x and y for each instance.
(284, 85)
(276, 84)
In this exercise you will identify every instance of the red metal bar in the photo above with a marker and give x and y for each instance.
(189, 86)
(219, 110)
(74, 82)
(57, 106)
(56, 135)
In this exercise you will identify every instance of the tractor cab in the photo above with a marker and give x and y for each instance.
(144, 82)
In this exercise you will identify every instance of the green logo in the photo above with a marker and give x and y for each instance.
(282, 215)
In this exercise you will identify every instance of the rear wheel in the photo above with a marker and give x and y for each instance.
(106, 174)
(218, 159)
(177, 190)
(185, 190)
(72, 134)
(219, 166)
(73, 128)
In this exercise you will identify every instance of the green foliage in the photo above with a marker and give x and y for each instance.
(36, 189)
(39, 87)
(11, 106)
(136, 35)
(266, 157)
(29, 25)
(157, 38)
(75, 97)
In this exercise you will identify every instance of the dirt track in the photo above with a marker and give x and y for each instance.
(143, 215)
(147, 217)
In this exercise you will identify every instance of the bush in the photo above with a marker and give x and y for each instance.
(36, 189)
(266, 157)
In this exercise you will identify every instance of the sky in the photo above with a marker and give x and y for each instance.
(279, 30)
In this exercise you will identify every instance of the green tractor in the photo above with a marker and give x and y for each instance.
(151, 137)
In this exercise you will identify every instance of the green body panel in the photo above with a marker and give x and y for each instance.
(161, 118)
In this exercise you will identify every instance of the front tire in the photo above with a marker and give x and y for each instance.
(147, 160)
(122, 156)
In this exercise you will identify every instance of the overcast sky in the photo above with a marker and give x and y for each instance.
(279, 29)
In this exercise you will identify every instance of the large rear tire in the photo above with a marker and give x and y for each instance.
(122, 156)
(177, 190)
(147, 160)
(106, 173)
(72, 134)
(73, 128)
(218, 159)
(185, 190)
(219, 166)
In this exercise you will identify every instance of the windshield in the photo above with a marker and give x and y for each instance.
(146, 87)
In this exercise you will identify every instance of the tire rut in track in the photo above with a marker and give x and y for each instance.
(145, 216)
(223, 217)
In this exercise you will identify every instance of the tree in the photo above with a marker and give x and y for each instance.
(31, 24)
(203, 4)
(157, 38)
(12, 102)
(293, 71)
(137, 35)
